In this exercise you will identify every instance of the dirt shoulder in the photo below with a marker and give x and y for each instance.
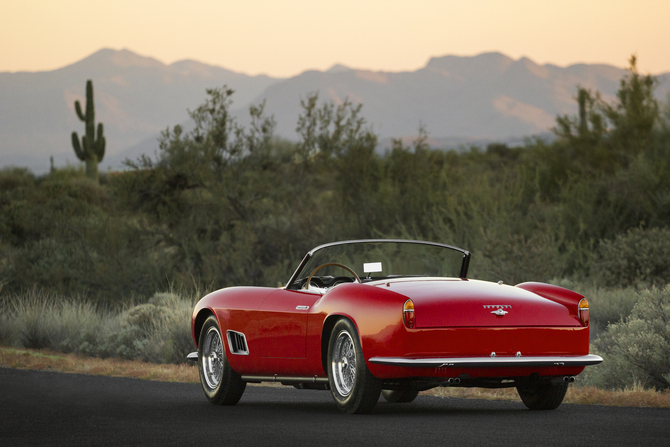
(20, 358)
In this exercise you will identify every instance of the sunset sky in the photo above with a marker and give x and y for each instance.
(283, 38)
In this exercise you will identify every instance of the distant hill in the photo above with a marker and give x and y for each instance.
(135, 97)
(489, 96)
(458, 99)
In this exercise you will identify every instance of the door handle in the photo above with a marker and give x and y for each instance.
(301, 307)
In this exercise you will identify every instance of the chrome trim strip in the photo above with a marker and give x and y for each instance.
(287, 379)
(301, 307)
(489, 362)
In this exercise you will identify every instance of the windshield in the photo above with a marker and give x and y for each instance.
(380, 259)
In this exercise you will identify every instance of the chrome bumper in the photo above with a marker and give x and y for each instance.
(192, 357)
(489, 362)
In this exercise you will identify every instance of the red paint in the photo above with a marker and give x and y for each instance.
(566, 297)
(450, 315)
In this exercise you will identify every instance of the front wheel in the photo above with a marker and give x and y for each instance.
(353, 387)
(543, 396)
(220, 383)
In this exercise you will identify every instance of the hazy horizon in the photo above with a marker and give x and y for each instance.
(287, 38)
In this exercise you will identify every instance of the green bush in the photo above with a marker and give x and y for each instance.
(637, 349)
(606, 305)
(170, 338)
(40, 319)
(640, 256)
(15, 178)
(158, 331)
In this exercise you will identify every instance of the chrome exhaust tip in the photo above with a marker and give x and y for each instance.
(569, 379)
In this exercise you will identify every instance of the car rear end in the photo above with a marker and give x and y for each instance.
(475, 333)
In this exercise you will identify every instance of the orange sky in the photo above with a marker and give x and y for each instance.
(286, 37)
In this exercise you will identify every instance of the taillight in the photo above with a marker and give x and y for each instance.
(584, 316)
(408, 313)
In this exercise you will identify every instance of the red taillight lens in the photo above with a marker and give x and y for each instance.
(408, 313)
(584, 316)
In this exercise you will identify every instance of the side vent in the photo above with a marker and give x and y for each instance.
(237, 343)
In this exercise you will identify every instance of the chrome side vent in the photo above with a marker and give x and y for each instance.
(237, 343)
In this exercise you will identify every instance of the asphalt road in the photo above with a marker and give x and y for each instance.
(50, 409)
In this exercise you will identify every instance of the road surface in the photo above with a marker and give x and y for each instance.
(50, 409)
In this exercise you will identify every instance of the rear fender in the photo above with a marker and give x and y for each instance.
(557, 294)
(376, 313)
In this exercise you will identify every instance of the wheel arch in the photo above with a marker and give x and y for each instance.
(328, 325)
(199, 321)
(376, 314)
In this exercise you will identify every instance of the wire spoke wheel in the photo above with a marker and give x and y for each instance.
(221, 384)
(212, 358)
(344, 364)
(354, 388)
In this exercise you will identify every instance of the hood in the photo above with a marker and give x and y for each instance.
(472, 303)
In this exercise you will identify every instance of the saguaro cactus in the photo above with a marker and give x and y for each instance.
(92, 149)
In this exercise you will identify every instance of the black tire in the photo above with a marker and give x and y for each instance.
(220, 383)
(399, 396)
(543, 396)
(355, 390)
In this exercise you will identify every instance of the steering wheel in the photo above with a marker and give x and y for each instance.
(335, 264)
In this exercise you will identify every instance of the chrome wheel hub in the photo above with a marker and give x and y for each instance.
(212, 358)
(343, 367)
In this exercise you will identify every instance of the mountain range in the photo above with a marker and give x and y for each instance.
(459, 100)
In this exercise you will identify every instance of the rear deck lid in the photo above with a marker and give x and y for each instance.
(471, 303)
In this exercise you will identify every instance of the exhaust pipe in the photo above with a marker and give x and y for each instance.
(569, 379)
(453, 380)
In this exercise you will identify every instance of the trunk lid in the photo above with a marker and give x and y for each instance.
(472, 303)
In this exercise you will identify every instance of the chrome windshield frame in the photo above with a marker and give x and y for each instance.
(464, 265)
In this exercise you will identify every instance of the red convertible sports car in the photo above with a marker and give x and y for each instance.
(395, 317)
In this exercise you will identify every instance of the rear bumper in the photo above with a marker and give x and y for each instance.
(489, 362)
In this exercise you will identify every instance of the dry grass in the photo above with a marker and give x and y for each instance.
(635, 396)
(475, 393)
(629, 397)
(45, 360)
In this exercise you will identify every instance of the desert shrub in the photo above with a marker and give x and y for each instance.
(639, 256)
(7, 329)
(104, 257)
(637, 349)
(14, 178)
(39, 319)
(515, 258)
(158, 331)
(606, 305)
(170, 340)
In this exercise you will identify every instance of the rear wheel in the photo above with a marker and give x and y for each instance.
(220, 383)
(399, 396)
(543, 396)
(353, 387)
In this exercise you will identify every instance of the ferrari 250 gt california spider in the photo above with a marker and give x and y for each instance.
(395, 317)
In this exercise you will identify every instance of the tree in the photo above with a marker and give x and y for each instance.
(634, 116)
(336, 136)
(588, 126)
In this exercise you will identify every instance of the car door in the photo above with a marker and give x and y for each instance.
(282, 323)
